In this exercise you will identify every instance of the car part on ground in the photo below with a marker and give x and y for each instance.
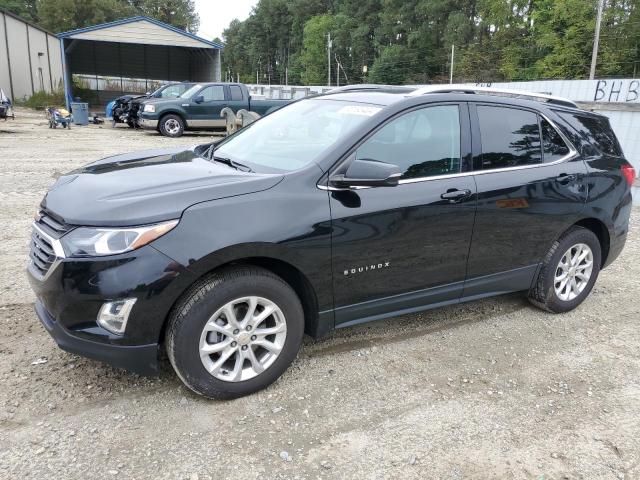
(59, 116)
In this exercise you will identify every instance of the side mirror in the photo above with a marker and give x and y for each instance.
(367, 173)
(198, 99)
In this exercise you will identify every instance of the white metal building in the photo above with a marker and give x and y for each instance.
(135, 48)
(30, 58)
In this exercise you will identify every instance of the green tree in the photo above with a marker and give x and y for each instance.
(393, 65)
(179, 13)
(63, 15)
(23, 8)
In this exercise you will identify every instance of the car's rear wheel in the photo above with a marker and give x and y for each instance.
(568, 272)
(235, 332)
(171, 126)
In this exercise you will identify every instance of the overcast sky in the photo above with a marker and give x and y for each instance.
(215, 15)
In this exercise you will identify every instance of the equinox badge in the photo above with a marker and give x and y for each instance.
(366, 268)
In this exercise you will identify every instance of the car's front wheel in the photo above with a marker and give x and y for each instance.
(235, 332)
(568, 271)
(171, 126)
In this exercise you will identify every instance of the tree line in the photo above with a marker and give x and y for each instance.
(64, 15)
(410, 41)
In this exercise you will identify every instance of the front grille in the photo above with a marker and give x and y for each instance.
(46, 231)
(42, 253)
(51, 225)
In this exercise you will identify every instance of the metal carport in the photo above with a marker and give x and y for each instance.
(133, 55)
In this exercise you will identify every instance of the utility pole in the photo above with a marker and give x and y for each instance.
(329, 59)
(596, 41)
(453, 51)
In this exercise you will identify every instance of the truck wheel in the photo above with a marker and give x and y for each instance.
(568, 272)
(171, 126)
(235, 332)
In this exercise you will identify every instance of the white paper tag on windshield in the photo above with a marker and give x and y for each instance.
(364, 110)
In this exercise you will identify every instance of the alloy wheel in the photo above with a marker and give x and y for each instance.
(242, 339)
(573, 272)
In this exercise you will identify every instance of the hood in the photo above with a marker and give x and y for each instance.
(146, 187)
(168, 101)
(127, 98)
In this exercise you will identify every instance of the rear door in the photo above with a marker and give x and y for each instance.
(531, 187)
(235, 98)
(206, 114)
(400, 248)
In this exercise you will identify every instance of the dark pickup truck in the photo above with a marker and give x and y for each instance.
(199, 108)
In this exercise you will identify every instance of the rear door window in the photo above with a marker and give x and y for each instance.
(510, 137)
(236, 92)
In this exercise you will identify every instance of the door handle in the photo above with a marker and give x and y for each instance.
(565, 178)
(455, 195)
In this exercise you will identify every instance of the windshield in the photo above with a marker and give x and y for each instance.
(294, 136)
(189, 93)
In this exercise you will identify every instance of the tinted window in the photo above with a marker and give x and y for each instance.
(236, 92)
(215, 92)
(553, 146)
(510, 137)
(422, 143)
(595, 130)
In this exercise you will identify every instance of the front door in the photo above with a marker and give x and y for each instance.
(531, 187)
(399, 248)
(205, 113)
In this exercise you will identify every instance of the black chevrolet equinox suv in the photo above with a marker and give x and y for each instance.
(335, 210)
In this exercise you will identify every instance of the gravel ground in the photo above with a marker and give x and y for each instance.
(491, 389)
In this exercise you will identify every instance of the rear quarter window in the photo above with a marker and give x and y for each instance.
(595, 130)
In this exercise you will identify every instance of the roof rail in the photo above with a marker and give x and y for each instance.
(373, 87)
(493, 91)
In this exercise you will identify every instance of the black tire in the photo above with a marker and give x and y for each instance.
(543, 293)
(171, 125)
(131, 124)
(201, 301)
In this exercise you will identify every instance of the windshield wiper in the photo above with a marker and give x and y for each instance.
(232, 163)
(210, 155)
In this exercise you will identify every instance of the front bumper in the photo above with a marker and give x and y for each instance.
(72, 293)
(141, 359)
(148, 123)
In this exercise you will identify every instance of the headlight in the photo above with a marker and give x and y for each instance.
(150, 108)
(92, 242)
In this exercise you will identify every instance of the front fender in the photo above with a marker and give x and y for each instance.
(288, 224)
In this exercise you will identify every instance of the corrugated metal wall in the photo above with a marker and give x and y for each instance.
(141, 61)
(30, 58)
